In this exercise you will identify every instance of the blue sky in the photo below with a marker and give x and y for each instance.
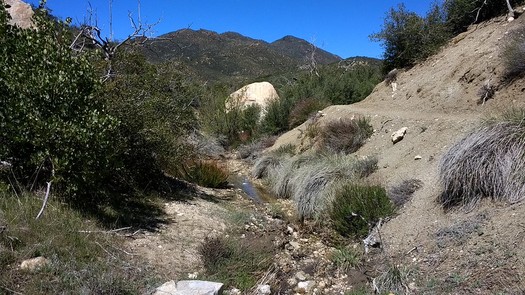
(340, 27)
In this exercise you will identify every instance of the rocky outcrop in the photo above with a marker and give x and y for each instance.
(260, 93)
(21, 13)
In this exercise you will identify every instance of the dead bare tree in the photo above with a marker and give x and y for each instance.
(90, 33)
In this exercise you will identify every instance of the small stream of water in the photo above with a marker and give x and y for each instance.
(242, 182)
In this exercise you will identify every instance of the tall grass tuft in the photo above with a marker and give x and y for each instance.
(311, 179)
(206, 173)
(345, 135)
(487, 163)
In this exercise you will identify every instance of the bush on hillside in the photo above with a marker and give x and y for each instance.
(408, 38)
(489, 162)
(513, 53)
(463, 13)
(53, 125)
(356, 208)
(237, 124)
(345, 135)
(303, 110)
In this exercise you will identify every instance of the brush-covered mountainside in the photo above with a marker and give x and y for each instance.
(231, 56)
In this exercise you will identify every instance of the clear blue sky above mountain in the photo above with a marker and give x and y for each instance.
(341, 27)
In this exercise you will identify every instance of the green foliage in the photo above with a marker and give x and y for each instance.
(463, 13)
(357, 207)
(345, 84)
(49, 116)
(345, 135)
(408, 38)
(206, 173)
(81, 258)
(345, 258)
(236, 263)
(153, 105)
(303, 109)
(234, 123)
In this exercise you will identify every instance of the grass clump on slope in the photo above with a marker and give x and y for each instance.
(489, 162)
(311, 179)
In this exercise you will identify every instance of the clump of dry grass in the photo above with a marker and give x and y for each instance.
(487, 163)
(345, 135)
(311, 179)
(402, 193)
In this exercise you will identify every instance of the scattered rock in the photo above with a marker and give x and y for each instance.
(294, 245)
(264, 290)
(305, 287)
(34, 264)
(189, 288)
(301, 276)
(399, 135)
(418, 157)
(233, 291)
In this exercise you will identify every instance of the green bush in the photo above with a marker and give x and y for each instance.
(408, 38)
(345, 258)
(356, 208)
(206, 173)
(51, 120)
(345, 135)
(236, 124)
(303, 110)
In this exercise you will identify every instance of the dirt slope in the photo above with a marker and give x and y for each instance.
(476, 252)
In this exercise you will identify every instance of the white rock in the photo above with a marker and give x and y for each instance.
(289, 230)
(264, 290)
(233, 291)
(305, 287)
(418, 157)
(260, 93)
(295, 245)
(399, 135)
(301, 276)
(34, 264)
(189, 288)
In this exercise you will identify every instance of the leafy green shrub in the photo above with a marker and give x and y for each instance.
(153, 105)
(303, 110)
(357, 207)
(513, 53)
(345, 135)
(276, 118)
(206, 173)
(51, 120)
(487, 163)
(408, 38)
(237, 263)
(463, 13)
(237, 124)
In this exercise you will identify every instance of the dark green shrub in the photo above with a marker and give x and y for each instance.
(277, 113)
(51, 120)
(345, 135)
(356, 208)
(303, 110)
(408, 38)
(463, 13)
(206, 173)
